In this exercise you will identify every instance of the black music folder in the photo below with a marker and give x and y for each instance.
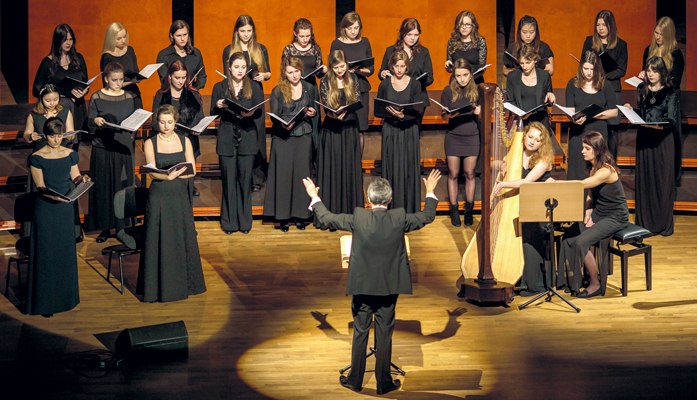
(67, 84)
(79, 190)
(380, 108)
(364, 63)
(190, 168)
(239, 108)
(313, 72)
(517, 111)
(462, 110)
(295, 118)
(589, 111)
(609, 63)
(349, 108)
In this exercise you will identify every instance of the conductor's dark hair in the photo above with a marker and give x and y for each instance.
(60, 35)
(53, 126)
(379, 192)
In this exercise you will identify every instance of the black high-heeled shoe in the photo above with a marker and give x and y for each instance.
(300, 225)
(284, 227)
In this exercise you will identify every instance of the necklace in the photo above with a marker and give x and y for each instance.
(166, 139)
(653, 96)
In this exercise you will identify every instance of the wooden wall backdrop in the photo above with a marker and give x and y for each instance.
(691, 56)
(565, 25)
(214, 22)
(381, 25)
(148, 30)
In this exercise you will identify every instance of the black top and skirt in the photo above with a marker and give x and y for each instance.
(610, 214)
(354, 52)
(290, 160)
(193, 62)
(462, 135)
(44, 75)
(579, 99)
(190, 109)
(312, 59)
(545, 53)
(129, 62)
(474, 53)
(170, 265)
(535, 251)
(52, 283)
(420, 64)
(236, 147)
(339, 169)
(528, 97)
(111, 161)
(655, 170)
(401, 154)
(260, 160)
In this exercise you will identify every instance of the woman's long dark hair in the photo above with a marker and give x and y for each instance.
(60, 35)
(408, 25)
(527, 20)
(603, 157)
(657, 64)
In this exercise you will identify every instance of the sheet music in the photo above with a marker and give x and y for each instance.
(515, 110)
(480, 70)
(149, 70)
(634, 81)
(133, 122)
(566, 110)
(201, 126)
(92, 80)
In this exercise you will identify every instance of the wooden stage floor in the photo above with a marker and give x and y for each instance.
(274, 323)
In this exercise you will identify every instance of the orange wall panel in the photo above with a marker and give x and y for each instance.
(89, 20)
(214, 23)
(565, 25)
(437, 18)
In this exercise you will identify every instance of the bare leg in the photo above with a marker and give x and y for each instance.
(453, 173)
(360, 138)
(469, 163)
(592, 268)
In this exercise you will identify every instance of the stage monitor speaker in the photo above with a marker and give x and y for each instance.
(154, 344)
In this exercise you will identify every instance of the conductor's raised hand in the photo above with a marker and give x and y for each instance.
(432, 181)
(310, 187)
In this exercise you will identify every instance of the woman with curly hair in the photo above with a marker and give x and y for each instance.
(466, 42)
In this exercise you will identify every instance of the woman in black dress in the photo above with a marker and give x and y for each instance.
(356, 47)
(606, 213)
(111, 160)
(237, 143)
(655, 169)
(466, 42)
(170, 268)
(182, 49)
(49, 106)
(64, 61)
(528, 33)
(401, 154)
(291, 147)
(244, 40)
(665, 46)
(586, 88)
(605, 39)
(116, 49)
(52, 283)
(339, 170)
(177, 91)
(421, 67)
(529, 87)
(308, 51)
(462, 137)
(538, 156)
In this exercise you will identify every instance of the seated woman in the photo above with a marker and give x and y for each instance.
(538, 155)
(606, 213)
(170, 267)
(52, 283)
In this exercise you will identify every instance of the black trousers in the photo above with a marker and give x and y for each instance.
(236, 205)
(364, 307)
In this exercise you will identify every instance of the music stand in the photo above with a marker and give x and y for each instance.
(539, 202)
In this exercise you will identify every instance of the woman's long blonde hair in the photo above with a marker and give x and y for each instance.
(253, 47)
(334, 58)
(110, 36)
(669, 43)
(545, 152)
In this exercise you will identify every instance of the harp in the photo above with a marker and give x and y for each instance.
(493, 261)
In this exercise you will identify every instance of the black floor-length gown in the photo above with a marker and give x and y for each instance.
(52, 283)
(401, 154)
(535, 242)
(655, 169)
(170, 268)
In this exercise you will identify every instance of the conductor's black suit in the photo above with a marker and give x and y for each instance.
(378, 272)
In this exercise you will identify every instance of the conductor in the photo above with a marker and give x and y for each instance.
(378, 271)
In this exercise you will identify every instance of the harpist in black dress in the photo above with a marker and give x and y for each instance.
(291, 147)
(401, 154)
(655, 169)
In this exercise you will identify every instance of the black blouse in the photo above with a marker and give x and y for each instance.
(193, 62)
(544, 53)
(324, 95)
(44, 75)
(311, 58)
(236, 134)
(579, 99)
(288, 110)
(666, 107)
(420, 64)
(463, 124)
(113, 109)
(129, 62)
(354, 52)
(410, 94)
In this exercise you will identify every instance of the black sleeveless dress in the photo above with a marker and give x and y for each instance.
(170, 265)
(535, 235)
